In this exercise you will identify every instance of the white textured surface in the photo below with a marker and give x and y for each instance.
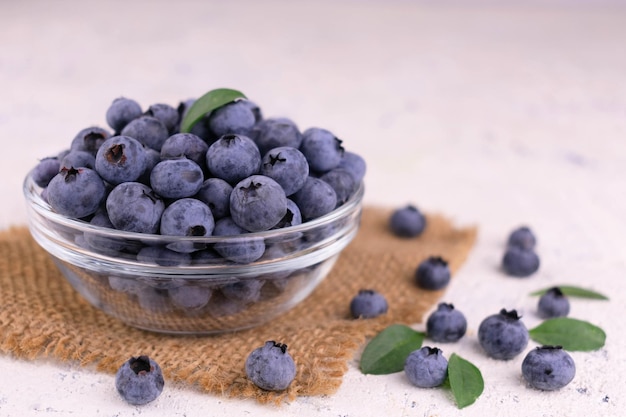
(495, 115)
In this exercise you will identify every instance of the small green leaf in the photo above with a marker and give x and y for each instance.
(386, 353)
(207, 103)
(572, 334)
(574, 292)
(465, 379)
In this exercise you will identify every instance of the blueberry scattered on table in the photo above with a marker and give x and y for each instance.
(407, 222)
(432, 273)
(139, 380)
(426, 367)
(519, 262)
(553, 304)
(522, 237)
(446, 324)
(270, 367)
(548, 368)
(368, 304)
(503, 336)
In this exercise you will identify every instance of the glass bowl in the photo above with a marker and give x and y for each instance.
(181, 285)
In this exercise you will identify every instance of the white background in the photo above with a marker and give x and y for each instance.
(496, 114)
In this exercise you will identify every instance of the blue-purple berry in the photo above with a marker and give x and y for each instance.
(315, 199)
(407, 222)
(233, 158)
(519, 262)
(522, 237)
(76, 192)
(257, 203)
(553, 304)
(270, 367)
(120, 159)
(148, 130)
(446, 324)
(121, 112)
(287, 166)
(548, 368)
(432, 273)
(176, 178)
(322, 149)
(139, 380)
(368, 304)
(426, 367)
(134, 207)
(503, 336)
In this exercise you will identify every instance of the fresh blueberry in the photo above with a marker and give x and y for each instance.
(167, 114)
(233, 118)
(76, 192)
(548, 368)
(153, 157)
(553, 304)
(432, 273)
(176, 178)
(276, 133)
(519, 262)
(89, 139)
(215, 193)
(139, 380)
(134, 207)
(315, 198)
(220, 306)
(241, 250)
(503, 336)
(257, 203)
(121, 111)
(271, 367)
(78, 159)
(342, 182)
(287, 166)
(148, 130)
(159, 255)
(426, 367)
(368, 304)
(187, 217)
(446, 324)
(190, 297)
(100, 242)
(244, 291)
(233, 158)
(45, 170)
(407, 222)
(255, 109)
(185, 144)
(523, 238)
(154, 300)
(120, 159)
(322, 149)
(354, 164)
(292, 217)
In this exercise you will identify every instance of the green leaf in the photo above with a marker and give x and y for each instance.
(572, 334)
(386, 353)
(574, 292)
(465, 379)
(206, 104)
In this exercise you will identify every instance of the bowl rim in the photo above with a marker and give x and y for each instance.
(35, 201)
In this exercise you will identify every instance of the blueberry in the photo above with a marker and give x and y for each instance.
(255, 109)
(134, 207)
(187, 217)
(176, 178)
(432, 273)
(233, 118)
(45, 170)
(121, 111)
(120, 159)
(190, 297)
(215, 193)
(407, 222)
(185, 144)
(244, 291)
(233, 158)
(257, 203)
(315, 198)
(368, 304)
(548, 368)
(523, 238)
(89, 139)
(354, 164)
(342, 182)
(292, 217)
(446, 324)
(159, 255)
(76, 192)
(148, 130)
(139, 380)
(503, 336)
(287, 166)
(426, 367)
(167, 114)
(519, 262)
(277, 133)
(553, 304)
(240, 250)
(322, 149)
(153, 157)
(78, 159)
(271, 367)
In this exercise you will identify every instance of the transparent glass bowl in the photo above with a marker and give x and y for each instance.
(191, 290)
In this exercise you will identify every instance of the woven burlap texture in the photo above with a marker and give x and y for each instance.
(42, 316)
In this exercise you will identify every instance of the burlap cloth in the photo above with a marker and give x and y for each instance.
(42, 316)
